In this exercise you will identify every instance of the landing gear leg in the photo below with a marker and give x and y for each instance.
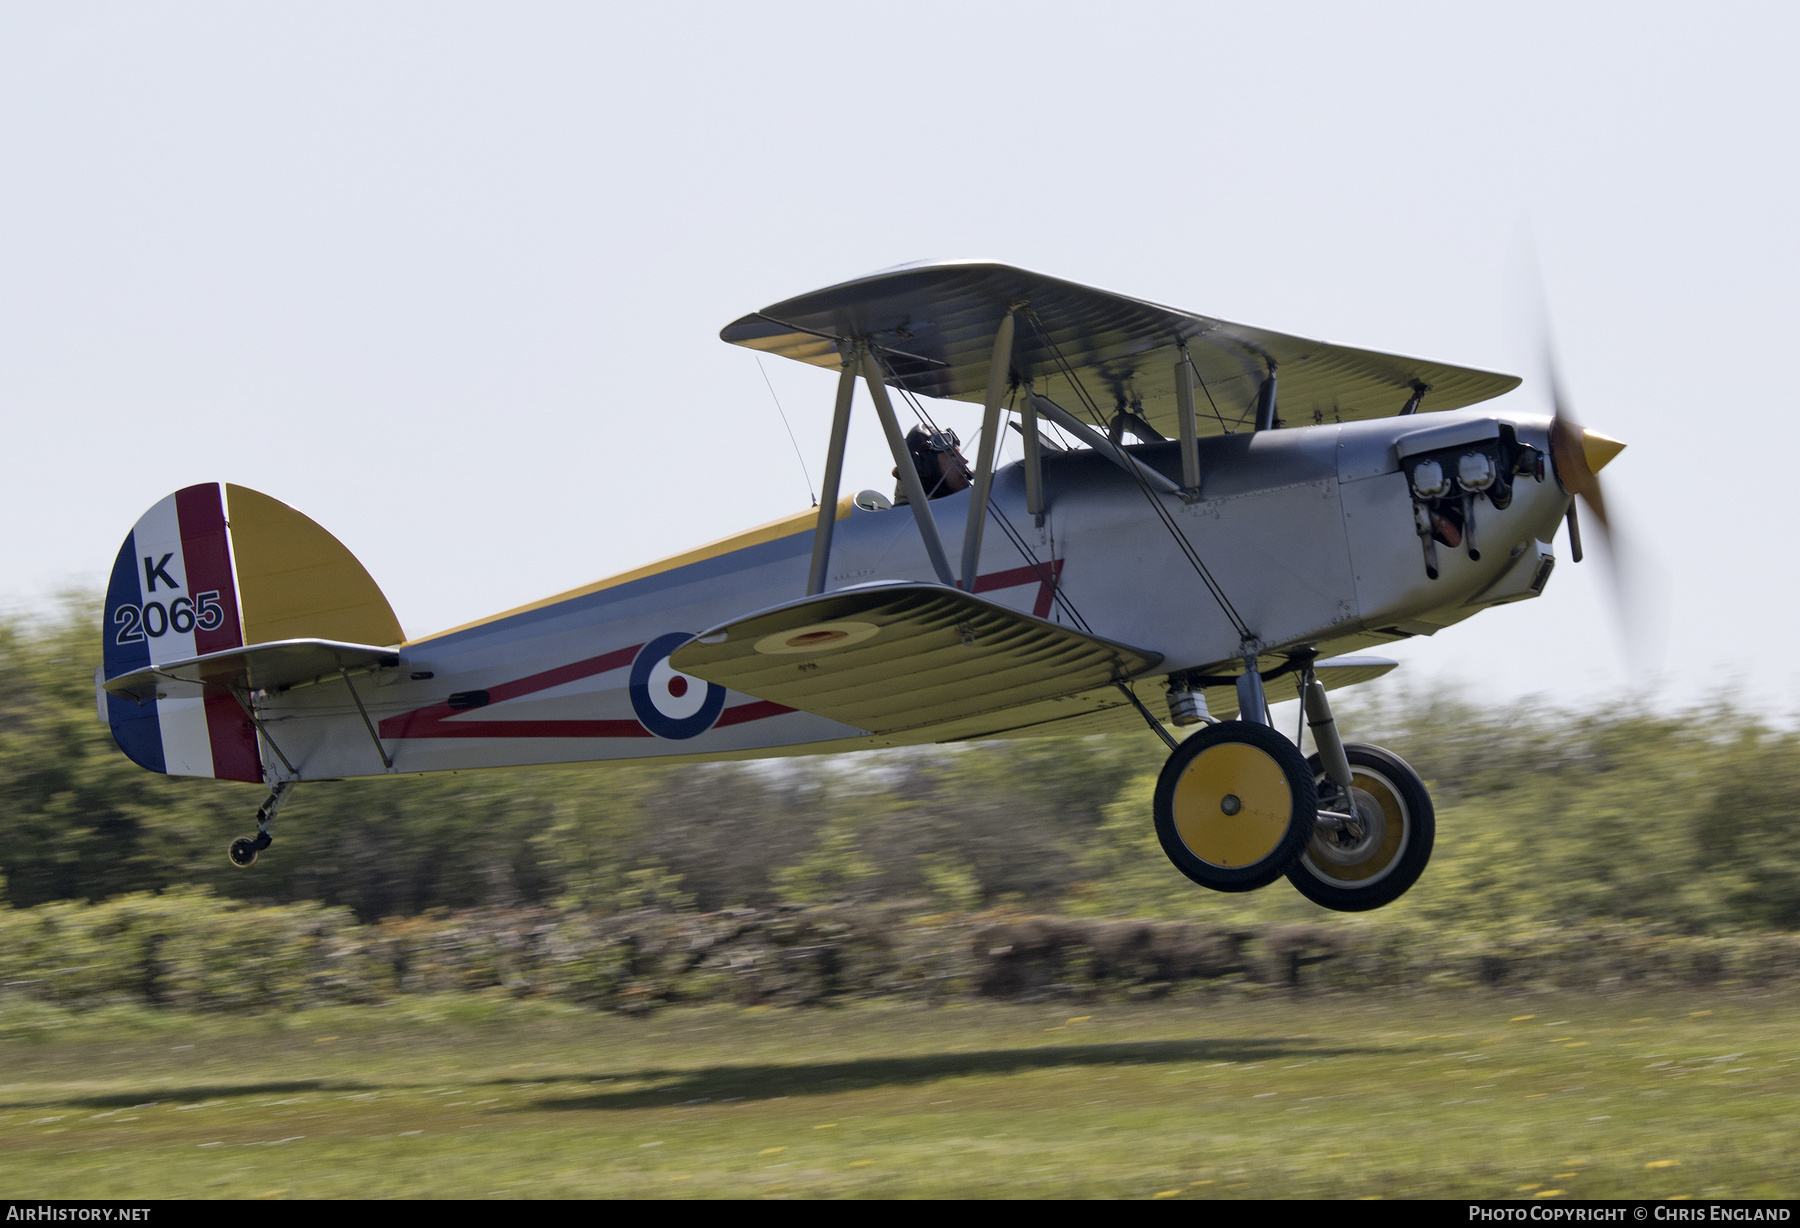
(1325, 732)
(1375, 822)
(243, 850)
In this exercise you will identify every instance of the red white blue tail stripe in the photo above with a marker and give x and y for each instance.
(173, 595)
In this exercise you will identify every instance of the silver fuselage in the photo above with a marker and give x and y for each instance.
(1309, 533)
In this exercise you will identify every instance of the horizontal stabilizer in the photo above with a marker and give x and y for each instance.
(260, 667)
(892, 656)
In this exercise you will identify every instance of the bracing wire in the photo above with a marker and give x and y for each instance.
(1046, 572)
(805, 472)
(1201, 380)
(912, 400)
(1181, 539)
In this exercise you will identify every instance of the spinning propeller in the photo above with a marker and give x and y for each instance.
(1578, 455)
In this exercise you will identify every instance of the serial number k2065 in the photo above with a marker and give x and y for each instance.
(156, 620)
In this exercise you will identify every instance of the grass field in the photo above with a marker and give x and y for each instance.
(1478, 1096)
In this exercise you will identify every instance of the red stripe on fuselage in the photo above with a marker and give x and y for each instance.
(522, 729)
(206, 557)
(751, 712)
(436, 720)
(1044, 575)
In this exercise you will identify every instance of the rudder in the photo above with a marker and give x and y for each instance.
(215, 567)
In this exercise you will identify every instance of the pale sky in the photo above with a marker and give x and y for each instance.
(449, 278)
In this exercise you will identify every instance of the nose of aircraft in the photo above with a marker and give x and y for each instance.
(1579, 454)
(1598, 449)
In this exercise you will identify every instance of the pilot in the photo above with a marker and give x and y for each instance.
(937, 455)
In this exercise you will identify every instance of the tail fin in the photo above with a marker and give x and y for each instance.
(211, 568)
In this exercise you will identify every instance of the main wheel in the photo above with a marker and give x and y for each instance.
(243, 851)
(1234, 805)
(1373, 861)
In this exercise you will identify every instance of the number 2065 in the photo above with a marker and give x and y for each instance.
(180, 616)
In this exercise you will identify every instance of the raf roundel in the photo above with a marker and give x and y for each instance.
(668, 703)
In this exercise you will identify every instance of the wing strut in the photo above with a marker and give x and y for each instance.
(909, 474)
(1265, 402)
(997, 381)
(1101, 444)
(1034, 454)
(248, 705)
(1149, 716)
(834, 474)
(1190, 426)
(386, 759)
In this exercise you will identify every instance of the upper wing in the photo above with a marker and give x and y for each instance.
(935, 323)
(892, 656)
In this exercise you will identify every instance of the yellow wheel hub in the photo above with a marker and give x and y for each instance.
(1232, 805)
(1372, 857)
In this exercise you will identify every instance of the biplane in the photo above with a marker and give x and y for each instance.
(1203, 518)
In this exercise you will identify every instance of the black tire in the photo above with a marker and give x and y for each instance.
(242, 852)
(1234, 806)
(1354, 876)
